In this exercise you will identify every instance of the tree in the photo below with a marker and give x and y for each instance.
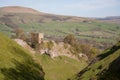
(19, 33)
(75, 47)
(70, 39)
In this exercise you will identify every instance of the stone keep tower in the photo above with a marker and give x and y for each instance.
(37, 37)
(40, 37)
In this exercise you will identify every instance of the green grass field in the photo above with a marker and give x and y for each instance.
(59, 68)
(96, 30)
(93, 29)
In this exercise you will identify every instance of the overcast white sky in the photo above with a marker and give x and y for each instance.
(84, 8)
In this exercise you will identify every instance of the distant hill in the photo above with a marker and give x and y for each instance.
(18, 9)
(111, 19)
(11, 11)
(17, 63)
(107, 68)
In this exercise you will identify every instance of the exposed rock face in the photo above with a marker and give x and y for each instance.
(60, 49)
(24, 45)
(83, 56)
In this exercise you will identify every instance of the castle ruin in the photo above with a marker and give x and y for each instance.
(37, 37)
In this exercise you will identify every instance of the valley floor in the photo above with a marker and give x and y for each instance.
(59, 68)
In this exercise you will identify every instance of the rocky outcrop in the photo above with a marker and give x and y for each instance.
(60, 49)
(24, 45)
(53, 49)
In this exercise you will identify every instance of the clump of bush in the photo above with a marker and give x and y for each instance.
(70, 39)
(77, 47)
(47, 45)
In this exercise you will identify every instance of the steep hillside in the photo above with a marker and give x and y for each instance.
(16, 63)
(107, 68)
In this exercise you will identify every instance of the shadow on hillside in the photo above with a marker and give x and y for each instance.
(27, 70)
(113, 72)
(112, 50)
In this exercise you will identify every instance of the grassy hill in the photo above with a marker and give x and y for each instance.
(16, 63)
(57, 26)
(107, 68)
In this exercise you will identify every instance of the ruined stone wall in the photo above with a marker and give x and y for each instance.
(40, 37)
